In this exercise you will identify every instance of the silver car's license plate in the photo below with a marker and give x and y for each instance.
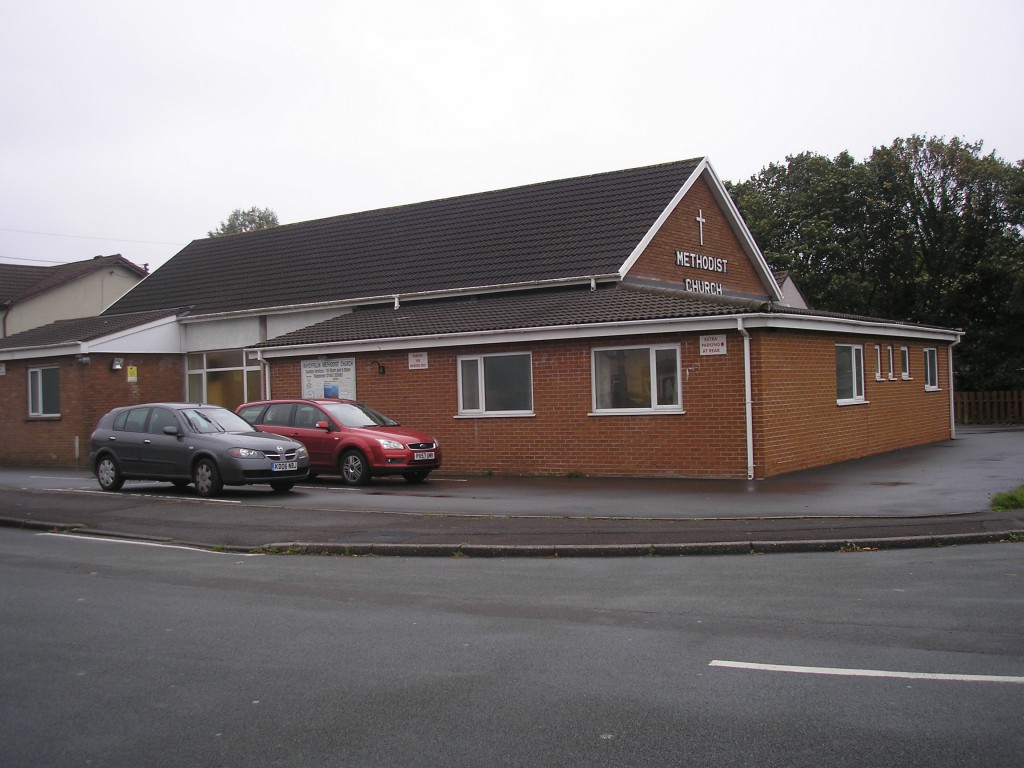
(284, 466)
(424, 456)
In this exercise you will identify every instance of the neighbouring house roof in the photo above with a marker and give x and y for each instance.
(19, 282)
(558, 230)
(63, 332)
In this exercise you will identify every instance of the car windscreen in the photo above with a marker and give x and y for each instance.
(357, 415)
(212, 420)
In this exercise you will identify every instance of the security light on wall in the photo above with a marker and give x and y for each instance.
(117, 364)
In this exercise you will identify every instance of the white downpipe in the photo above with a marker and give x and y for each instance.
(952, 395)
(748, 397)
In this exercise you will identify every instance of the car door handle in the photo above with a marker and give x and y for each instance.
(147, 441)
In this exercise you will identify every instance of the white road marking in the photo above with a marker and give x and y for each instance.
(129, 493)
(150, 544)
(867, 672)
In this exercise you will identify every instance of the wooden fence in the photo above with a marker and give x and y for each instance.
(990, 407)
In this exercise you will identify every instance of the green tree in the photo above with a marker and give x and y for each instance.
(924, 230)
(245, 221)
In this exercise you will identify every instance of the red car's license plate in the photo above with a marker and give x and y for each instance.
(424, 456)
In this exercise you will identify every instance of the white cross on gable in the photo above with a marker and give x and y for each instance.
(700, 221)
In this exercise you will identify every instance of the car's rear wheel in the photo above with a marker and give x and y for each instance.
(109, 474)
(206, 477)
(416, 477)
(282, 486)
(354, 469)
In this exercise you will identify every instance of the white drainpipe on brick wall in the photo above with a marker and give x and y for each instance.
(952, 395)
(748, 397)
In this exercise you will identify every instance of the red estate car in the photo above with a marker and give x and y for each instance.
(347, 438)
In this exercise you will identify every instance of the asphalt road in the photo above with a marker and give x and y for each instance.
(117, 653)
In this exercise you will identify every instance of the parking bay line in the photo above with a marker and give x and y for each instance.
(867, 672)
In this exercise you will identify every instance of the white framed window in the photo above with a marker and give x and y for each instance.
(222, 377)
(496, 385)
(44, 391)
(636, 379)
(849, 374)
(892, 366)
(931, 369)
(905, 363)
(878, 363)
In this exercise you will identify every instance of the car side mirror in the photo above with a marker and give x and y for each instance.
(324, 425)
(169, 430)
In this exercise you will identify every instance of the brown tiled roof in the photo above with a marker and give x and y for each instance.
(550, 231)
(18, 282)
(79, 329)
(509, 311)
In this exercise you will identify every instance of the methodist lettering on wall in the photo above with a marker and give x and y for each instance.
(706, 264)
(335, 377)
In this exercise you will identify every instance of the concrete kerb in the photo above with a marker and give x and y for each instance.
(466, 549)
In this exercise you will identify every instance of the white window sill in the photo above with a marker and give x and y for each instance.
(497, 415)
(933, 389)
(639, 412)
(852, 402)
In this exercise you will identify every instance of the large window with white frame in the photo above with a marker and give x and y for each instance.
(496, 385)
(636, 379)
(44, 391)
(931, 369)
(849, 374)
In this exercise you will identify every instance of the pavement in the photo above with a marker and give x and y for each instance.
(933, 495)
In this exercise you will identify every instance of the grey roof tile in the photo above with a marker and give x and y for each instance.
(554, 230)
(79, 329)
(507, 311)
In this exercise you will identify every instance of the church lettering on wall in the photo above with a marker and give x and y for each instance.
(702, 262)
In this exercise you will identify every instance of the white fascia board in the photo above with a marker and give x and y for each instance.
(742, 232)
(850, 326)
(159, 337)
(56, 350)
(660, 221)
(644, 327)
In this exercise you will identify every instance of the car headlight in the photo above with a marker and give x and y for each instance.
(301, 452)
(245, 453)
(391, 445)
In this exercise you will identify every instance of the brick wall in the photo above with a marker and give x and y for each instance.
(681, 233)
(798, 424)
(87, 391)
(707, 441)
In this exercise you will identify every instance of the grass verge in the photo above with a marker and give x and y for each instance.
(1008, 500)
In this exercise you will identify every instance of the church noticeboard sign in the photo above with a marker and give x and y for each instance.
(329, 378)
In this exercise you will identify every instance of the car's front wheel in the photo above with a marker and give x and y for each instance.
(354, 469)
(206, 477)
(109, 474)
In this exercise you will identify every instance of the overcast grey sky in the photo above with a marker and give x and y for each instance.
(135, 126)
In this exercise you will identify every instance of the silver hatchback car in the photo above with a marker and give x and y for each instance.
(186, 443)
